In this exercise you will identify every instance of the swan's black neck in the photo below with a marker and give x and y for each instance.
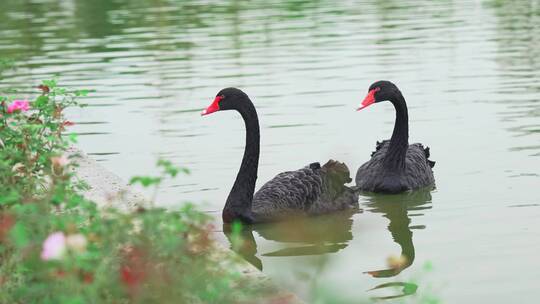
(399, 143)
(238, 205)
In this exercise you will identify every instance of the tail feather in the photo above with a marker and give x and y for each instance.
(378, 146)
(315, 166)
(430, 162)
(338, 171)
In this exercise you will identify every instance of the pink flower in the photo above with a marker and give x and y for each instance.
(54, 247)
(18, 105)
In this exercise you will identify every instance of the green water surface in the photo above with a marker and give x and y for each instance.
(469, 70)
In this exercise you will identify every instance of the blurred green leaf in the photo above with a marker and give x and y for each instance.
(41, 101)
(19, 235)
(145, 181)
(428, 266)
(81, 92)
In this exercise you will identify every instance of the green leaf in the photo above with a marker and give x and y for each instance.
(236, 228)
(11, 198)
(72, 137)
(170, 168)
(19, 235)
(81, 92)
(185, 170)
(41, 101)
(50, 83)
(428, 266)
(145, 181)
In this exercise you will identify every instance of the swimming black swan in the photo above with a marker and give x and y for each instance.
(311, 190)
(395, 166)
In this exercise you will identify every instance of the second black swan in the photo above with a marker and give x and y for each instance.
(311, 190)
(395, 166)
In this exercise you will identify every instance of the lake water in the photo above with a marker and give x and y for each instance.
(469, 70)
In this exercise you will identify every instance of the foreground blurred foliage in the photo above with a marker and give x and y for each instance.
(58, 247)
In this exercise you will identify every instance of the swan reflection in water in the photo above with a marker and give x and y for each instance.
(310, 235)
(332, 233)
(399, 209)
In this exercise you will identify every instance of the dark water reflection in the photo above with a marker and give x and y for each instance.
(328, 234)
(303, 236)
(470, 71)
(399, 209)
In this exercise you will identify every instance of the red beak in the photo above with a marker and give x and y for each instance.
(369, 100)
(213, 107)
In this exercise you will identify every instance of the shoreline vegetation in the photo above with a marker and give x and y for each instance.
(58, 247)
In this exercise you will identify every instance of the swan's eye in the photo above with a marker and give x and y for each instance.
(214, 106)
(369, 99)
(222, 97)
(374, 91)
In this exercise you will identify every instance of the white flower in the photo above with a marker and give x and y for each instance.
(76, 242)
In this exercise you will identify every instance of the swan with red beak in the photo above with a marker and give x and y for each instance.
(395, 166)
(311, 190)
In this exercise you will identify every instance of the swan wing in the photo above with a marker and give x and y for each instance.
(310, 190)
(289, 192)
(419, 173)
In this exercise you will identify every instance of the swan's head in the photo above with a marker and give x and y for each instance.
(379, 91)
(226, 99)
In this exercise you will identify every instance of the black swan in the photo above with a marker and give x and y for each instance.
(395, 166)
(308, 191)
